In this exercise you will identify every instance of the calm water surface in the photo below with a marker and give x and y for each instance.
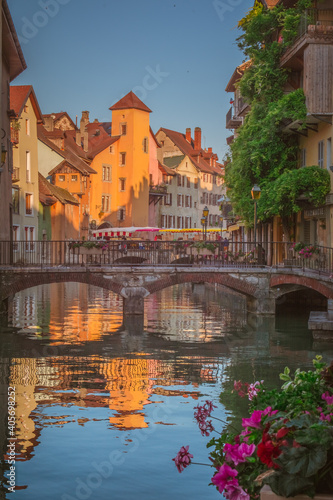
(102, 407)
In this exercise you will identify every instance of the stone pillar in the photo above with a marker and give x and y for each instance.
(134, 300)
(261, 305)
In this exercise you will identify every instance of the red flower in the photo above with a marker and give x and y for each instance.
(267, 451)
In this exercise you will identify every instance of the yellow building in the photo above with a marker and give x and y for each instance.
(25, 196)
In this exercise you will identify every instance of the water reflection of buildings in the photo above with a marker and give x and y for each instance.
(88, 314)
(121, 386)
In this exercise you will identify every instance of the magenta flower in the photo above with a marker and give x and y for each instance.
(235, 492)
(326, 418)
(238, 453)
(254, 420)
(327, 397)
(226, 475)
(183, 458)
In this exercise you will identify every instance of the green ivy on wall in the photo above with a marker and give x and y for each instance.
(262, 153)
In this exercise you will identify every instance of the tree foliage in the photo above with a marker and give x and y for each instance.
(262, 152)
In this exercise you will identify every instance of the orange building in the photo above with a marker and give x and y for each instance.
(120, 192)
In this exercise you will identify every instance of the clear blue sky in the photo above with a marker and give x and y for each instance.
(176, 55)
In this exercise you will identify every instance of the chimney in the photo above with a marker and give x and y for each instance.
(84, 121)
(188, 135)
(78, 138)
(197, 138)
(85, 141)
(210, 150)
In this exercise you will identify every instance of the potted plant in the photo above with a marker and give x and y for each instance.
(286, 443)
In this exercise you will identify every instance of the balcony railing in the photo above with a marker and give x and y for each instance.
(232, 119)
(114, 253)
(319, 18)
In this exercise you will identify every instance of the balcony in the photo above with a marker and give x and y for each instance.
(15, 175)
(14, 136)
(316, 27)
(233, 120)
(156, 192)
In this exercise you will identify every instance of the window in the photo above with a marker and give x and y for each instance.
(179, 222)
(28, 166)
(61, 178)
(122, 184)
(179, 180)
(122, 159)
(111, 150)
(28, 204)
(303, 157)
(168, 199)
(188, 182)
(74, 178)
(196, 183)
(123, 128)
(328, 153)
(27, 126)
(179, 200)
(29, 238)
(16, 236)
(321, 153)
(16, 200)
(106, 173)
(145, 145)
(121, 213)
(106, 203)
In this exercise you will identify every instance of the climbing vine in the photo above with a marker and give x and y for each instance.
(262, 152)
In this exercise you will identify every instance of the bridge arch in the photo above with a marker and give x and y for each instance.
(300, 281)
(236, 284)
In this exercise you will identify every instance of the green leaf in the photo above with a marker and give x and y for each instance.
(303, 461)
(287, 485)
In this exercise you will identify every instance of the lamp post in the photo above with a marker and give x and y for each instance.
(204, 221)
(255, 193)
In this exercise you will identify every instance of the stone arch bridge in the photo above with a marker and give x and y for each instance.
(262, 287)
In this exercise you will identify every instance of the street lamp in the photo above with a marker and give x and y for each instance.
(204, 221)
(255, 193)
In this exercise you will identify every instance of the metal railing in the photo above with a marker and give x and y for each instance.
(23, 254)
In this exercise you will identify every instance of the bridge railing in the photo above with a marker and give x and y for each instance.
(161, 253)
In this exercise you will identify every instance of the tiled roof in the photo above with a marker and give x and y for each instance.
(165, 169)
(19, 94)
(173, 161)
(42, 136)
(48, 189)
(45, 136)
(196, 157)
(97, 141)
(130, 101)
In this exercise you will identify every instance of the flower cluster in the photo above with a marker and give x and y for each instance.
(305, 251)
(201, 414)
(286, 442)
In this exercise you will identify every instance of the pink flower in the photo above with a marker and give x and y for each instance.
(326, 418)
(183, 458)
(203, 411)
(327, 397)
(206, 427)
(226, 475)
(254, 389)
(238, 453)
(235, 492)
(254, 421)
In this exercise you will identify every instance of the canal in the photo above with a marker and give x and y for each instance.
(102, 407)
